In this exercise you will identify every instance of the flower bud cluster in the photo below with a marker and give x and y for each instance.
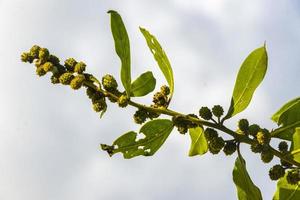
(183, 123)
(293, 176)
(71, 73)
(161, 98)
(207, 114)
(215, 142)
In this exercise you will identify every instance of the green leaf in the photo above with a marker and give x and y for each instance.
(143, 85)
(156, 132)
(198, 142)
(160, 57)
(246, 190)
(286, 191)
(248, 79)
(122, 47)
(296, 144)
(288, 117)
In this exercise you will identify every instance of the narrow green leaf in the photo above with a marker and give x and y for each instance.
(288, 117)
(250, 75)
(198, 142)
(296, 143)
(156, 132)
(286, 191)
(122, 48)
(246, 190)
(143, 85)
(160, 57)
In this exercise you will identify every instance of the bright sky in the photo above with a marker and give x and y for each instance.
(49, 135)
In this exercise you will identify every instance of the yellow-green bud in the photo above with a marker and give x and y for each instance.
(54, 79)
(48, 66)
(123, 100)
(34, 51)
(77, 82)
(263, 136)
(165, 90)
(109, 82)
(66, 78)
(99, 105)
(80, 67)
(40, 71)
(26, 57)
(70, 64)
(160, 99)
(43, 54)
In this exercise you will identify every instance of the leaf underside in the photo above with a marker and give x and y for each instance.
(155, 134)
(246, 189)
(198, 142)
(122, 47)
(249, 77)
(160, 57)
(143, 85)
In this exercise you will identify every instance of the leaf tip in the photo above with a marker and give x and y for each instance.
(111, 11)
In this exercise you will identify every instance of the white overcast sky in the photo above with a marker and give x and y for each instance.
(49, 135)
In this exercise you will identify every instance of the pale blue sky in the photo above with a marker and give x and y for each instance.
(49, 135)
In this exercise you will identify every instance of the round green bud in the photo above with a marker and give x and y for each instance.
(210, 133)
(48, 66)
(205, 113)
(217, 111)
(90, 92)
(40, 71)
(216, 145)
(243, 125)
(165, 90)
(66, 78)
(140, 116)
(123, 100)
(97, 96)
(54, 59)
(70, 64)
(253, 129)
(109, 83)
(266, 155)
(43, 54)
(34, 51)
(80, 67)
(54, 79)
(256, 147)
(26, 57)
(229, 148)
(293, 177)
(77, 81)
(99, 105)
(276, 172)
(283, 146)
(263, 136)
(160, 99)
